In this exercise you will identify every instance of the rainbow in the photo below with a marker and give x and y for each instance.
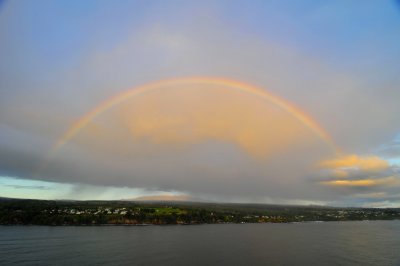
(304, 118)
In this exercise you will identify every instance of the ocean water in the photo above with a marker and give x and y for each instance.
(330, 243)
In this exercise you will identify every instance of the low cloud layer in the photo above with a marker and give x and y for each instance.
(350, 162)
(367, 182)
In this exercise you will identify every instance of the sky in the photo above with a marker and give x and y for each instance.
(287, 102)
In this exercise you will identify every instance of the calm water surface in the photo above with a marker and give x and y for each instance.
(333, 243)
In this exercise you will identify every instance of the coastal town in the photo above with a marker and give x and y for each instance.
(39, 212)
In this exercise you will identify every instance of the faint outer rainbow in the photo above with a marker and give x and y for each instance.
(304, 118)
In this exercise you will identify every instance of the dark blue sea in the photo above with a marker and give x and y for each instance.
(328, 243)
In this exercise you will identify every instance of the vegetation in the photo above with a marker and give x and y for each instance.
(40, 212)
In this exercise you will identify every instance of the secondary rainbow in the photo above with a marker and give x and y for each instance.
(304, 118)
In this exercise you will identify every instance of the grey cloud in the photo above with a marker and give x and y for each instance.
(34, 112)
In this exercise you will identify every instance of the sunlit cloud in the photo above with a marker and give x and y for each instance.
(364, 163)
(361, 178)
(370, 182)
(194, 113)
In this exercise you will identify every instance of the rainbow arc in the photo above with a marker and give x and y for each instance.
(294, 111)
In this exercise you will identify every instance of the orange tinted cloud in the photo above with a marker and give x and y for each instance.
(187, 83)
(366, 163)
(192, 114)
(368, 182)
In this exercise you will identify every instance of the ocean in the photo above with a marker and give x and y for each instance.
(312, 243)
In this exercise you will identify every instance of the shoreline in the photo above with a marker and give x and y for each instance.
(154, 224)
